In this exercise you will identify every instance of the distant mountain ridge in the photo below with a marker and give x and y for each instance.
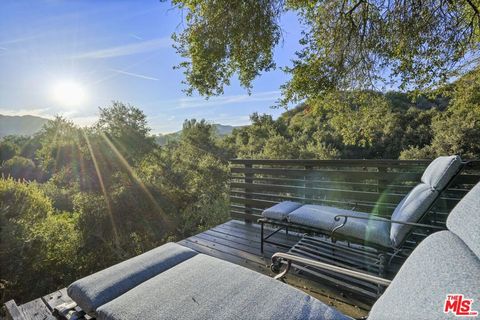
(221, 130)
(20, 125)
(28, 125)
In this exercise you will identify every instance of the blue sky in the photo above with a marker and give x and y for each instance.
(116, 50)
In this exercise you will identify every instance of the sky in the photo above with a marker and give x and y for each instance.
(69, 57)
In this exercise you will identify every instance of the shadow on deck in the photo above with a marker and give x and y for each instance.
(234, 241)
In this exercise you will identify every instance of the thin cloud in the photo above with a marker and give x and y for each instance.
(190, 103)
(136, 75)
(187, 103)
(134, 36)
(127, 50)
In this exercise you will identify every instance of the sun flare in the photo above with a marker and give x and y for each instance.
(69, 93)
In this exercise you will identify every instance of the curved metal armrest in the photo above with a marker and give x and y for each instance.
(413, 224)
(289, 258)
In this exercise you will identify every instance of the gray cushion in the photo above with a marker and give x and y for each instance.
(97, 289)
(323, 218)
(464, 220)
(442, 264)
(281, 210)
(411, 209)
(208, 288)
(440, 171)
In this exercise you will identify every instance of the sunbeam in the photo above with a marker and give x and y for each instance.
(133, 174)
(104, 191)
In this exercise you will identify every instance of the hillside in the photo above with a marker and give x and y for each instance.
(221, 130)
(20, 125)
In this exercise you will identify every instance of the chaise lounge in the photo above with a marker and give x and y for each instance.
(174, 282)
(362, 227)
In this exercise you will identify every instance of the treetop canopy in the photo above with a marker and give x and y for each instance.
(346, 45)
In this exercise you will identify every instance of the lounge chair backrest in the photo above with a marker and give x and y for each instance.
(416, 203)
(445, 263)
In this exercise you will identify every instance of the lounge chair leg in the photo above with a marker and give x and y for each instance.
(281, 275)
(261, 236)
(382, 270)
(382, 259)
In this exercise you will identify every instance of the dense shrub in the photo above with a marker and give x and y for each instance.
(21, 168)
(37, 246)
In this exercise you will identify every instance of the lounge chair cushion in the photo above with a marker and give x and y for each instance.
(411, 209)
(440, 171)
(208, 288)
(464, 220)
(442, 264)
(281, 210)
(99, 288)
(323, 218)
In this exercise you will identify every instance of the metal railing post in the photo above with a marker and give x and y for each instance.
(248, 177)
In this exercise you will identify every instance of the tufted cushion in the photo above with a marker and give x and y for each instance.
(281, 210)
(99, 288)
(464, 220)
(411, 209)
(208, 288)
(440, 171)
(323, 217)
(441, 264)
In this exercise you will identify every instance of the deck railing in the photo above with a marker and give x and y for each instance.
(373, 186)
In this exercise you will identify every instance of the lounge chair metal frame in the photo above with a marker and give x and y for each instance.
(279, 257)
(382, 251)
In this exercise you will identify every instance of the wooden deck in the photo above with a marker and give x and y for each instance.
(234, 241)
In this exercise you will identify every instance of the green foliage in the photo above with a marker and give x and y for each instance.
(7, 151)
(223, 38)
(20, 168)
(194, 172)
(126, 128)
(37, 246)
(345, 45)
(107, 193)
(457, 129)
(349, 124)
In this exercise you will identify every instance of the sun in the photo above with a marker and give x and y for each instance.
(69, 93)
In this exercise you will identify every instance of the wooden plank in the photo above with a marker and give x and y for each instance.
(57, 298)
(13, 311)
(335, 174)
(255, 244)
(466, 179)
(263, 204)
(342, 185)
(253, 231)
(232, 250)
(336, 163)
(236, 245)
(36, 310)
(254, 234)
(334, 194)
(224, 256)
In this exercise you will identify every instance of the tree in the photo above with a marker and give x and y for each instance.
(20, 168)
(37, 246)
(125, 128)
(345, 45)
(7, 151)
(457, 129)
